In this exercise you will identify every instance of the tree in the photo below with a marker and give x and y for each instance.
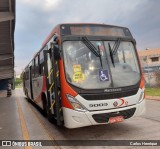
(18, 81)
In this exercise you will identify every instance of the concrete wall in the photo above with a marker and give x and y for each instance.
(152, 79)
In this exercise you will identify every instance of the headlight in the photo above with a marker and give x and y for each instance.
(141, 96)
(75, 104)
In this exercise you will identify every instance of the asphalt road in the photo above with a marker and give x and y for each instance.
(33, 125)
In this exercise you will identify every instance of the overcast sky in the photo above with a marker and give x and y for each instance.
(36, 18)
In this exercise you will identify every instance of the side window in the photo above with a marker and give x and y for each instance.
(41, 65)
(41, 60)
(41, 68)
(41, 56)
(26, 75)
(33, 69)
(37, 66)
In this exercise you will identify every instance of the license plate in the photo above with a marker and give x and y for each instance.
(116, 119)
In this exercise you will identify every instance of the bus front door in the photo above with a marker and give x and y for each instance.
(53, 90)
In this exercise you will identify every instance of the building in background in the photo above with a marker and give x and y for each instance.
(7, 27)
(150, 60)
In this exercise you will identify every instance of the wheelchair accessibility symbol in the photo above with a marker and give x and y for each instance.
(103, 75)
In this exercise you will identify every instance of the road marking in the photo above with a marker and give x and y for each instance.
(23, 124)
(44, 127)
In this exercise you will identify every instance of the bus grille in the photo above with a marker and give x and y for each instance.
(103, 118)
(104, 96)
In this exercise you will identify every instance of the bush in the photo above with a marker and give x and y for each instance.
(18, 81)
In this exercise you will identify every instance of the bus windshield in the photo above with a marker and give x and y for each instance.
(85, 70)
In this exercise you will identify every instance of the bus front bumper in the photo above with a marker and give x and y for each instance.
(75, 119)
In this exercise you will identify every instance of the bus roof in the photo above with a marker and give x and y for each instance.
(57, 29)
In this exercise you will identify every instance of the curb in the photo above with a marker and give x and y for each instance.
(153, 98)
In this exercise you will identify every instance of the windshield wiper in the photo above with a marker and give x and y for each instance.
(92, 48)
(116, 46)
(114, 50)
(111, 54)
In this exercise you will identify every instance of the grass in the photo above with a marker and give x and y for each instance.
(152, 91)
(18, 86)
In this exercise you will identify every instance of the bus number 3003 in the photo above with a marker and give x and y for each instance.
(98, 105)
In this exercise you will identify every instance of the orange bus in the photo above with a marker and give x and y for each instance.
(86, 74)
